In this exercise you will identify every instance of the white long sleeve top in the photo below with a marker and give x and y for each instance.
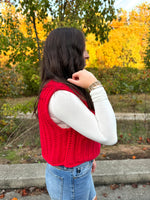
(67, 110)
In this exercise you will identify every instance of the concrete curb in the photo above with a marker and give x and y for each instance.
(107, 172)
(122, 171)
(22, 175)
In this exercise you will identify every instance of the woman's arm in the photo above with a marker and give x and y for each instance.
(101, 127)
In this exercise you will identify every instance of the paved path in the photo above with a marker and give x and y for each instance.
(126, 192)
(119, 116)
(133, 116)
(108, 172)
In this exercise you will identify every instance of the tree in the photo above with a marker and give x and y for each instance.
(18, 51)
(23, 48)
(33, 10)
(147, 54)
(91, 15)
(13, 41)
(127, 41)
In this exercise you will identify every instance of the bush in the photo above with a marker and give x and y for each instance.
(11, 83)
(16, 82)
(124, 80)
(30, 74)
(116, 80)
(147, 54)
(9, 125)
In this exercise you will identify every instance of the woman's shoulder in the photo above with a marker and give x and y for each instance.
(54, 85)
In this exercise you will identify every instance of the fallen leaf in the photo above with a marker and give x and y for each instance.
(144, 148)
(2, 196)
(24, 192)
(148, 140)
(134, 185)
(114, 186)
(144, 185)
(105, 194)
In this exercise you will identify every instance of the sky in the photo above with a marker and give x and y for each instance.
(128, 5)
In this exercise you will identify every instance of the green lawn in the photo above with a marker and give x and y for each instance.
(22, 143)
(121, 103)
(128, 131)
(131, 103)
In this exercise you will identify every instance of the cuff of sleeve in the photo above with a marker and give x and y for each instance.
(98, 94)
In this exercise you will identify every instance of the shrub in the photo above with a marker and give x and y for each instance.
(30, 76)
(11, 83)
(118, 80)
(9, 125)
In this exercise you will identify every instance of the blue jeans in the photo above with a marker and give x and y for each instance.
(70, 183)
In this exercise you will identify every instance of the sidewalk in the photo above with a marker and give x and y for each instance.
(122, 192)
(107, 172)
(119, 116)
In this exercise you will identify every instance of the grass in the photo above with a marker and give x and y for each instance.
(15, 155)
(133, 132)
(24, 145)
(131, 103)
(20, 100)
(21, 143)
(10, 155)
(121, 103)
(27, 132)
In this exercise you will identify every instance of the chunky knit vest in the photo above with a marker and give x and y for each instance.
(62, 146)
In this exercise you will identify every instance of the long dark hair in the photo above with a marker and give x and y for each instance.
(63, 56)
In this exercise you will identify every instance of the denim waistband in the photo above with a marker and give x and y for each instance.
(72, 168)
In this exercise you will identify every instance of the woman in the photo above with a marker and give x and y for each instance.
(75, 117)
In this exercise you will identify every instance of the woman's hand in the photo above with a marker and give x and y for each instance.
(82, 78)
(94, 166)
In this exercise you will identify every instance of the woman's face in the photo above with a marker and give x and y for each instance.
(85, 55)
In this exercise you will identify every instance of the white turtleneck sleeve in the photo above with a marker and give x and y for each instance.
(67, 110)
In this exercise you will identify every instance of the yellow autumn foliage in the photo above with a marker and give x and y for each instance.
(126, 45)
(127, 41)
(5, 9)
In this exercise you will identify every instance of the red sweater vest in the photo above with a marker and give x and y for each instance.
(62, 146)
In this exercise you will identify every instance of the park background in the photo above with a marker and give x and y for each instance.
(118, 42)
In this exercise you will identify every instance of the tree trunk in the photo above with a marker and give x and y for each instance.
(37, 38)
